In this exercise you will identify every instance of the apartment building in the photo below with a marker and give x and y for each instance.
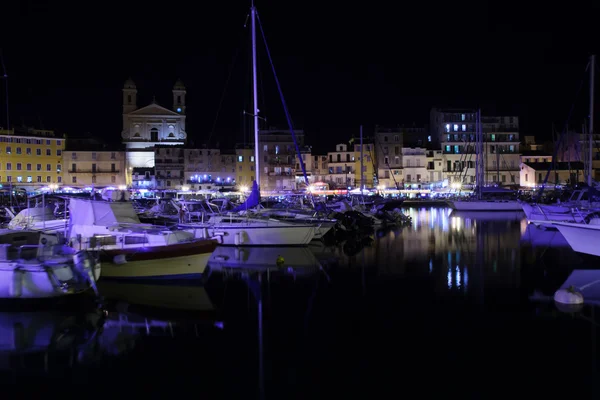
(208, 168)
(98, 168)
(388, 151)
(455, 130)
(31, 158)
(169, 164)
(415, 167)
(369, 164)
(341, 163)
(278, 155)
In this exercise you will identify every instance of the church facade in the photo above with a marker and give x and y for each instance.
(147, 128)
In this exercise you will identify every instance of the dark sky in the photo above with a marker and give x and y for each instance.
(341, 64)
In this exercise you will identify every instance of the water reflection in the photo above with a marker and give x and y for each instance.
(156, 297)
(452, 248)
(43, 340)
(299, 259)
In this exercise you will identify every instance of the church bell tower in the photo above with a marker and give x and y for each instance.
(179, 97)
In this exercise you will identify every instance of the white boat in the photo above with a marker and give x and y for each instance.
(234, 229)
(488, 199)
(297, 216)
(576, 209)
(131, 250)
(582, 237)
(237, 230)
(33, 265)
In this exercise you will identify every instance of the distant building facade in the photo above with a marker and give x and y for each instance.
(31, 159)
(152, 125)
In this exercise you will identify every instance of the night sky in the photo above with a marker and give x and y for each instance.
(340, 65)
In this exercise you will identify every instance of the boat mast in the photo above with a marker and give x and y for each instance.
(362, 174)
(480, 171)
(255, 96)
(591, 128)
(498, 165)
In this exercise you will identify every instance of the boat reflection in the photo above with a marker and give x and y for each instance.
(38, 340)
(300, 260)
(535, 236)
(489, 215)
(154, 298)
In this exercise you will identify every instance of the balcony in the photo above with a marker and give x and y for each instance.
(281, 173)
(458, 154)
(211, 182)
(94, 171)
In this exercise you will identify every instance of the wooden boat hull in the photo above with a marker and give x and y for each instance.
(180, 261)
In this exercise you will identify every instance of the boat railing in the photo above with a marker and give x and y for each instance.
(32, 251)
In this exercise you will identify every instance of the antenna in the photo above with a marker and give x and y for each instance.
(5, 76)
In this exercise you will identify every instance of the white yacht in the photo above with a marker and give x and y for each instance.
(582, 237)
(131, 250)
(238, 230)
(576, 209)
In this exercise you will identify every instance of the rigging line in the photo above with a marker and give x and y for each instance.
(562, 135)
(284, 104)
(231, 68)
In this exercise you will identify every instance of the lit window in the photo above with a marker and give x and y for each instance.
(455, 127)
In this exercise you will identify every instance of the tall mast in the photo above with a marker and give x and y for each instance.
(498, 166)
(591, 129)
(362, 174)
(255, 96)
(480, 160)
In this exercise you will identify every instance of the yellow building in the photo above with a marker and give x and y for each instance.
(30, 158)
(244, 165)
(369, 163)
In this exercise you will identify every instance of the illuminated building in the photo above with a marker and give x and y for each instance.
(31, 158)
(94, 168)
(149, 126)
(244, 165)
(208, 169)
(369, 163)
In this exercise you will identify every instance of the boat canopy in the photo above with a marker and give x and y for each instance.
(90, 212)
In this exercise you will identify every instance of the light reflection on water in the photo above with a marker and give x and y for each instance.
(453, 248)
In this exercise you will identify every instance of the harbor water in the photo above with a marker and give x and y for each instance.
(455, 304)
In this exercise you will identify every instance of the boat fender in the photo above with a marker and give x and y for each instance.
(571, 296)
(239, 238)
(120, 259)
